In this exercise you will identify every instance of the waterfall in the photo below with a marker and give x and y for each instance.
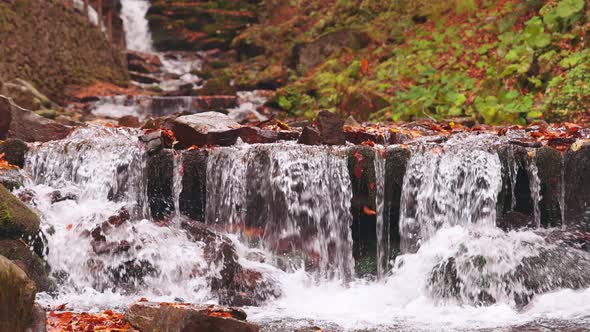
(535, 188)
(90, 191)
(137, 32)
(382, 244)
(453, 184)
(305, 201)
(286, 209)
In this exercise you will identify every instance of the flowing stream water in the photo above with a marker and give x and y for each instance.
(291, 204)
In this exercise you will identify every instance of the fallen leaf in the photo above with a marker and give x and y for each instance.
(368, 211)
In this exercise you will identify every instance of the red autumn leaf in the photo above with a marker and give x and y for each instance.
(364, 66)
(69, 227)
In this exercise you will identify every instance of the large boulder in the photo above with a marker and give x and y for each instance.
(35, 268)
(17, 122)
(234, 284)
(208, 128)
(183, 317)
(16, 220)
(484, 279)
(17, 293)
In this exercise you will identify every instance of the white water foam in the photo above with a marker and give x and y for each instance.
(137, 33)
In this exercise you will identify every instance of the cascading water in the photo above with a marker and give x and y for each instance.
(466, 273)
(137, 33)
(382, 243)
(90, 192)
(306, 200)
(449, 185)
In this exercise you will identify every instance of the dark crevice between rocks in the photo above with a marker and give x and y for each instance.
(193, 196)
(363, 208)
(395, 170)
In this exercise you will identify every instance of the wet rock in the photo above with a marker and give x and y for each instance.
(310, 136)
(143, 62)
(219, 251)
(515, 194)
(160, 177)
(514, 220)
(577, 186)
(18, 222)
(21, 255)
(149, 316)
(209, 128)
(28, 126)
(253, 135)
(129, 121)
(57, 196)
(14, 151)
(289, 135)
(397, 137)
(548, 269)
(360, 136)
(129, 275)
(25, 95)
(194, 193)
(12, 179)
(248, 288)
(120, 218)
(312, 54)
(155, 140)
(110, 248)
(330, 126)
(39, 317)
(235, 284)
(143, 78)
(18, 295)
(527, 143)
(549, 163)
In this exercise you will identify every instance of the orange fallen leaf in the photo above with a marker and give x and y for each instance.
(368, 211)
(69, 227)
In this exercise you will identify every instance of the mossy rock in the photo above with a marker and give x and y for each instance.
(21, 255)
(17, 294)
(14, 151)
(17, 221)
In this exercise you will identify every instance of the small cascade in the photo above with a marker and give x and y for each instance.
(177, 180)
(454, 184)
(105, 163)
(92, 14)
(144, 106)
(90, 191)
(137, 33)
(382, 243)
(226, 180)
(305, 194)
